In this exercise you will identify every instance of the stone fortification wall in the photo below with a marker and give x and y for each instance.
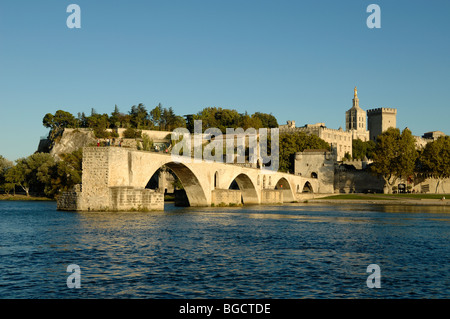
(427, 185)
(154, 135)
(356, 181)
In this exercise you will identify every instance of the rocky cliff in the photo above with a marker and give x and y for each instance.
(68, 141)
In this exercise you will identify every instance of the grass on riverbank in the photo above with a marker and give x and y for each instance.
(356, 197)
(418, 196)
(386, 196)
(18, 197)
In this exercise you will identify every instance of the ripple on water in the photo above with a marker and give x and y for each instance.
(256, 252)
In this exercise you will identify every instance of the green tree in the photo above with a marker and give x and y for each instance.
(61, 119)
(114, 119)
(64, 174)
(31, 172)
(57, 122)
(125, 120)
(267, 120)
(362, 149)
(435, 159)
(347, 156)
(147, 143)
(155, 115)
(176, 122)
(139, 116)
(224, 118)
(82, 120)
(132, 133)
(246, 121)
(394, 156)
(5, 165)
(170, 121)
(99, 121)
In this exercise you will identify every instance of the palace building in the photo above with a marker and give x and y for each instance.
(359, 124)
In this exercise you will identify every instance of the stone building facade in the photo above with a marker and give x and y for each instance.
(340, 141)
(359, 124)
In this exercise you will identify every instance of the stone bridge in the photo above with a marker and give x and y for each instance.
(115, 178)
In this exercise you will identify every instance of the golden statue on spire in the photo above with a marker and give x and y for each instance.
(356, 92)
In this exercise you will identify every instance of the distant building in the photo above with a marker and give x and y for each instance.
(422, 141)
(434, 135)
(359, 124)
(340, 141)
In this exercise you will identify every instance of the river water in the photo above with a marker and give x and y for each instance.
(278, 252)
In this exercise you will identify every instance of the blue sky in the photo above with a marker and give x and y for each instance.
(298, 60)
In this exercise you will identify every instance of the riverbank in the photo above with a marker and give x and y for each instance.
(387, 199)
(18, 197)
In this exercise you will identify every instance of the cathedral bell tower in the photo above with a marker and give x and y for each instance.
(355, 118)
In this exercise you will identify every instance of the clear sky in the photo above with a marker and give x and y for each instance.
(298, 60)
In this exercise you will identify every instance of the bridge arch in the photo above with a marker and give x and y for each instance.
(194, 190)
(307, 188)
(247, 188)
(284, 185)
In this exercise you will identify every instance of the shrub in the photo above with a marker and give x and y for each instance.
(132, 133)
(101, 133)
(147, 143)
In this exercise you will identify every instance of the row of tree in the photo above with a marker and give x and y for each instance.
(138, 117)
(225, 118)
(396, 157)
(159, 118)
(41, 174)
